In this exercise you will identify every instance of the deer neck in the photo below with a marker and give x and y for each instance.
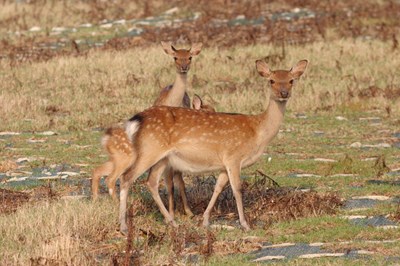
(178, 90)
(271, 120)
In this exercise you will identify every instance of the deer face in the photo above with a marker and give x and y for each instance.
(182, 57)
(281, 81)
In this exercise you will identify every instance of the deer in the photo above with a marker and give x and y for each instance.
(199, 142)
(120, 149)
(197, 104)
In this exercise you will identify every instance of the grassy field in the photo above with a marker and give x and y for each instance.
(340, 137)
(104, 88)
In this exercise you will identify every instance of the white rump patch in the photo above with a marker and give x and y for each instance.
(104, 140)
(131, 128)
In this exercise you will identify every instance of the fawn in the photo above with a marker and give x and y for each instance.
(119, 147)
(197, 142)
(120, 151)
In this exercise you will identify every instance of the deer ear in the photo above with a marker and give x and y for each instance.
(196, 48)
(299, 68)
(263, 69)
(197, 102)
(168, 48)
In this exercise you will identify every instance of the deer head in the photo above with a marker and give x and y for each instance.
(281, 81)
(182, 57)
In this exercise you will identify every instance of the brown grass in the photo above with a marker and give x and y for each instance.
(264, 202)
(77, 93)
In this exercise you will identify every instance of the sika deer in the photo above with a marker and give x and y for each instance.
(119, 147)
(197, 142)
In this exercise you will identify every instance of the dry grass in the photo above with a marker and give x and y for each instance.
(108, 87)
(55, 231)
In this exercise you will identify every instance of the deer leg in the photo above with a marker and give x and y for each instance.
(120, 166)
(141, 165)
(102, 170)
(153, 182)
(219, 186)
(236, 184)
(179, 178)
(169, 175)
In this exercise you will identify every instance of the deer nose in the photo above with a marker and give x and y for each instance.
(284, 93)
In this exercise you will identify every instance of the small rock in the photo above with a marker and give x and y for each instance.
(58, 29)
(386, 227)
(20, 173)
(365, 252)
(53, 177)
(17, 179)
(47, 133)
(35, 29)
(319, 132)
(316, 244)
(121, 21)
(341, 118)
(343, 175)
(9, 133)
(325, 160)
(280, 245)
(352, 217)
(106, 26)
(306, 175)
(86, 25)
(269, 258)
(82, 164)
(35, 140)
(172, 11)
(222, 227)
(301, 116)
(22, 160)
(320, 255)
(369, 159)
(68, 173)
(372, 197)
(356, 145)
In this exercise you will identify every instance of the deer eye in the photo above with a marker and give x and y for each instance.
(175, 58)
(291, 81)
(272, 82)
(190, 58)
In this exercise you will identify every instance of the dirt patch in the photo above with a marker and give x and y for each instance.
(11, 200)
(265, 202)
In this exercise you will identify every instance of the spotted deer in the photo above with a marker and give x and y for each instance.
(120, 152)
(198, 142)
(120, 149)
